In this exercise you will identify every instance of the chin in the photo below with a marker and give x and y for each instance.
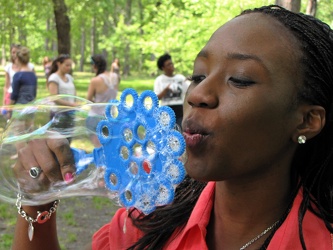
(196, 172)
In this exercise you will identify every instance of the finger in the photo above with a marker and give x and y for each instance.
(25, 162)
(46, 159)
(64, 155)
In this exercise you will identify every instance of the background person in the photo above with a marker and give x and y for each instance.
(47, 65)
(258, 130)
(115, 72)
(10, 69)
(101, 90)
(169, 87)
(24, 90)
(61, 82)
(24, 85)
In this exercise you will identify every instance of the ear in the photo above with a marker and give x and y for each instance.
(313, 122)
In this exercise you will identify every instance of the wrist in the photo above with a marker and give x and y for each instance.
(35, 214)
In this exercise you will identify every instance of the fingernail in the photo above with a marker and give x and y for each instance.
(69, 177)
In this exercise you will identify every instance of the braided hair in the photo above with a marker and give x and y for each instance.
(312, 161)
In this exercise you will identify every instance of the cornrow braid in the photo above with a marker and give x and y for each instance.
(313, 161)
(159, 225)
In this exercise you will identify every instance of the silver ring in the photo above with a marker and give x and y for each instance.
(34, 172)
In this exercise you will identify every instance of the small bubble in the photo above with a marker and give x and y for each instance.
(113, 179)
(148, 103)
(174, 144)
(133, 168)
(128, 135)
(124, 152)
(164, 118)
(173, 171)
(151, 148)
(128, 195)
(114, 111)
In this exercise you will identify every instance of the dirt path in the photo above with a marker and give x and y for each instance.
(78, 218)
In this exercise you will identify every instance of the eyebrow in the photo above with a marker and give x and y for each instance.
(245, 57)
(242, 57)
(238, 56)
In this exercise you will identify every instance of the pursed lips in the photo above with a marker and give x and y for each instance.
(194, 134)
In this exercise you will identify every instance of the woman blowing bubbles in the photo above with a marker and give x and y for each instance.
(258, 134)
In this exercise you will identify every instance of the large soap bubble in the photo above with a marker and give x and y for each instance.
(138, 165)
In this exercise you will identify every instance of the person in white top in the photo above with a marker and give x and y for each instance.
(61, 82)
(102, 89)
(169, 87)
(10, 69)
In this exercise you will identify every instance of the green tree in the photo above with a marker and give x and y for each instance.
(136, 32)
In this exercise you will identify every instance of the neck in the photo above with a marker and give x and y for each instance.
(169, 74)
(24, 67)
(61, 74)
(244, 210)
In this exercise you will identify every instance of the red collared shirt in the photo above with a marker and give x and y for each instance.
(116, 235)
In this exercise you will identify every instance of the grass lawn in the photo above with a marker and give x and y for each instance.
(82, 79)
(8, 211)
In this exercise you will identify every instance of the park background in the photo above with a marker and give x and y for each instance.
(136, 32)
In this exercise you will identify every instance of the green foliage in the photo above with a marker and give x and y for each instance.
(100, 202)
(6, 241)
(69, 217)
(138, 33)
(7, 220)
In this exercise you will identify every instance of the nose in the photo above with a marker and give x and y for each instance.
(202, 95)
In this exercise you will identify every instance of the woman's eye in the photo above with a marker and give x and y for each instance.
(196, 78)
(241, 82)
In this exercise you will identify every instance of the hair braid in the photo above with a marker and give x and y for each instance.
(313, 161)
(159, 225)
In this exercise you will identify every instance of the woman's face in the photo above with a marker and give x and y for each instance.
(13, 53)
(240, 111)
(66, 66)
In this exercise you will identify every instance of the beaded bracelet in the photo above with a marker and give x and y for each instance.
(41, 218)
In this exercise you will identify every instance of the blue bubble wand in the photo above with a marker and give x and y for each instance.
(140, 154)
(140, 151)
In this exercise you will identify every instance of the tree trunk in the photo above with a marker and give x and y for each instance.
(311, 8)
(47, 46)
(22, 33)
(292, 5)
(128, 16)
(93, 36)
(141, 34)
(62, 26)
(47, 39)
(83, 44)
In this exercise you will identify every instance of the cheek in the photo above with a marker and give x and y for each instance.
(256, 131)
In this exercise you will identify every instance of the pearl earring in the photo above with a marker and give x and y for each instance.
(301, 139)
